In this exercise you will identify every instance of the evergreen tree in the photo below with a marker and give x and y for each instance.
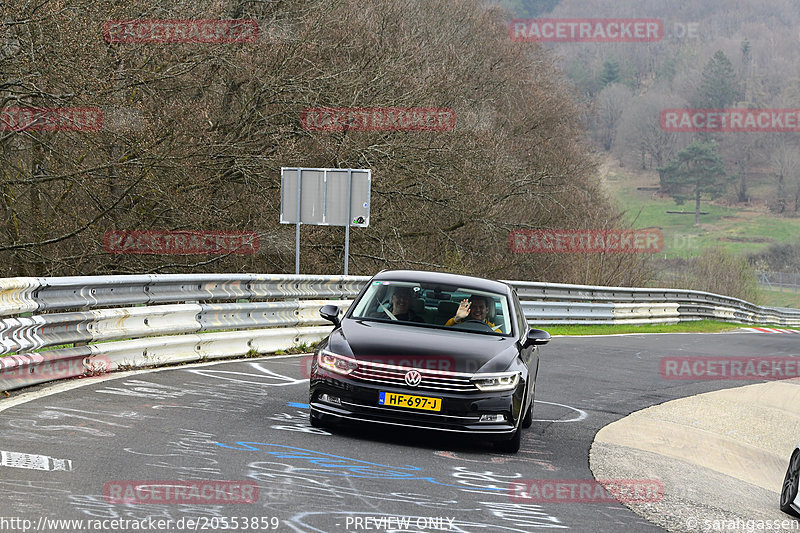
(718, 86)
(696, 173)
(610, 73)
(747, 60)
(747, 51)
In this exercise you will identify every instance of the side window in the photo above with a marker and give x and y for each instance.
(522, 323)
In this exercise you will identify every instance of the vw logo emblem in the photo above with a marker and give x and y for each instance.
(413, 378)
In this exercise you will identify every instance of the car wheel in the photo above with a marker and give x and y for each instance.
(316, 421)
(511, 445)
(790, 483)
(527, 420)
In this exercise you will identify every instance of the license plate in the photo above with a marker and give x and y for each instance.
(412, 402)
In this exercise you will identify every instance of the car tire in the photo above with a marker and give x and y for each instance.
(511, 445)
(790, 485)
(527, 420)
(316, 421)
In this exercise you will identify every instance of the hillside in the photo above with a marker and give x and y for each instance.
(734, 55)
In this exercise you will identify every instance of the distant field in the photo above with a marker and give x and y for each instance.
(740, 230)
(780, 299)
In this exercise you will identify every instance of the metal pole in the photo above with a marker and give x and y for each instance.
(297, 230)
(347, 225)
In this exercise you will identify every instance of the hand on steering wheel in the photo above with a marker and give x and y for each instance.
(476, 321)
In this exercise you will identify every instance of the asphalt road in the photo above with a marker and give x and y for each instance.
(67, 455)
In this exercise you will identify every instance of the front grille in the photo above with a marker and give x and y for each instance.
(435, 380)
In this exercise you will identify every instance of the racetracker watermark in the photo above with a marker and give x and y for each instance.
(734, 120)
(181, 31)
(200, 492)
(378, 119)
(587, 30)
(51, 119)
(121, 119)
(438, 363)
(185, 523)
(52, 369)
(684, 30)
(682, 241)
(733, 368)
(586, 491)
(567, 241)
(180, 242)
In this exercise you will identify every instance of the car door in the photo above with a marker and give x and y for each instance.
(529, 355)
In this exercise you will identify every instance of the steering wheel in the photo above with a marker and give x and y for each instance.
(474, 322)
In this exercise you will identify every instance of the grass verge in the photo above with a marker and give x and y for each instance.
(784, 298)
(741, 230)
(700, 326)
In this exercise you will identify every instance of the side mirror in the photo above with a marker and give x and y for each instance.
(331, 313)
(536, 337)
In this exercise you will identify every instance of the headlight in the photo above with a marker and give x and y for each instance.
(502, 381)
(336, 363)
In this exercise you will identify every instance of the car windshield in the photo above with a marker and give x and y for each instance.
(434, 305)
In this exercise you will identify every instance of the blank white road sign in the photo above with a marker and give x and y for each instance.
(323, 196)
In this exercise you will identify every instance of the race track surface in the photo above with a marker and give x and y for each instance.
(67, 454)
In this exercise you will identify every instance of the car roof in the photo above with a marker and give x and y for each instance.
(444, 278)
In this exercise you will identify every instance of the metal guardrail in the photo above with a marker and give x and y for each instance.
(20, 295)
(168, 318)
(651, 305)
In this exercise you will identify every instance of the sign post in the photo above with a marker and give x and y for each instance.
(325, 197)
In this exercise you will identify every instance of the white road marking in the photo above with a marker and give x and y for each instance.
(58, 387)
(581, 414)
(34, 461)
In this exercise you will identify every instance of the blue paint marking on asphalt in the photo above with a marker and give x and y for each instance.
(299, 405)
(352, 467)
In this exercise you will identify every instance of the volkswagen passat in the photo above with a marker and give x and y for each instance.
(429, 350)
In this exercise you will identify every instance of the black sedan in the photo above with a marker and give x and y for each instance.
(429, 350)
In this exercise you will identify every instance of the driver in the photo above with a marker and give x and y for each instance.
(476, 308)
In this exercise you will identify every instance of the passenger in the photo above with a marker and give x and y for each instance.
(401, 305)
(476, 308)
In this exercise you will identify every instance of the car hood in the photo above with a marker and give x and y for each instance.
(423, 347)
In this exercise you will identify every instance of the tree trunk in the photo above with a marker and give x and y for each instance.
(697, 208)
(742, 183)
(781, 193)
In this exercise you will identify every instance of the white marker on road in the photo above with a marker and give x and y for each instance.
(33, 461)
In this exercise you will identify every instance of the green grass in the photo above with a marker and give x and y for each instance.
(297, 349)
(780, 299)
(740, 230)
(40, 350)
(700, 326)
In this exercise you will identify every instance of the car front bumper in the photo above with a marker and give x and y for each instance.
(461, 412)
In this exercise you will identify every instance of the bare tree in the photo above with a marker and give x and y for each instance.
(642, 139)
(197, 133)
(742, 151)
(608, 109)
(784, 161)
